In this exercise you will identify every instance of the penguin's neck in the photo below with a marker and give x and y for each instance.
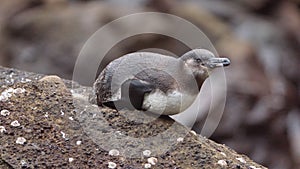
(199, 79)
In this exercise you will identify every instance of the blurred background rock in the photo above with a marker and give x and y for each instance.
(261, 37)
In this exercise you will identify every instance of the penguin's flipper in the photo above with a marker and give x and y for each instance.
(132, 95)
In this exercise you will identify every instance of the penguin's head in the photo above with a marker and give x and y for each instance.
(201, 62)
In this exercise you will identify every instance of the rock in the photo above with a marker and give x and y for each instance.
(54, 79)
(59, 130)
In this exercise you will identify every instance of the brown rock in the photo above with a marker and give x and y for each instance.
(56, 130)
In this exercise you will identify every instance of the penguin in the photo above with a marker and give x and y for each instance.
(154, 82)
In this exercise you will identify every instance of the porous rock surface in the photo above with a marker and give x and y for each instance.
(49, 125)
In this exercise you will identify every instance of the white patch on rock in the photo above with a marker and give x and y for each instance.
(78, 142)
(19, 90)
(15, 123)
(23, 163)
(147, 165)
(223, 154)
(7, 93)
(2, 129)
(114, 152)
(46, 115)
(118, 133)
(71, 159)
(253, 167)
(64, 135)
(20, 140)
(193, 132)
(241, 159)
(147, 153)
(5, 112)
(112, 165)
(25, 80)
(222, 162)
(152, 160)
(180, 139)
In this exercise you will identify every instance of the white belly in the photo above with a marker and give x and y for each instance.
(168, 104)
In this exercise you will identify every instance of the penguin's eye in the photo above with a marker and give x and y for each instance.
(198, 60)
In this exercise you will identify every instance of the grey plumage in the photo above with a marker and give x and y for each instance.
(154, 82)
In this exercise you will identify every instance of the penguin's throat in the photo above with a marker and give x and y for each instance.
(200, 78)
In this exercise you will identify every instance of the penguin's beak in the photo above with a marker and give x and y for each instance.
(218, 62)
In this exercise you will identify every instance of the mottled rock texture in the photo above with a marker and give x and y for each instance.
(58, 128)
